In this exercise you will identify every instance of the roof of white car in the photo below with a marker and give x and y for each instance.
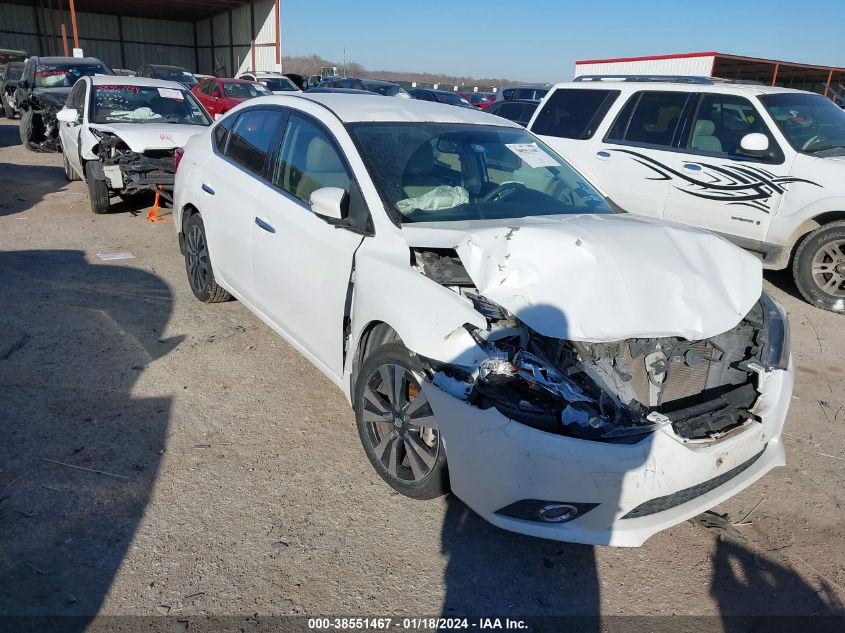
(725, 87)
(118, 80)
(351, 108)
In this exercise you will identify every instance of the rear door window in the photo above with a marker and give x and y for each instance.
(251, 138)
(574, 113)
(650, 118)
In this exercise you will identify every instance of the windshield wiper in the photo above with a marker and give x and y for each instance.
(824, 148)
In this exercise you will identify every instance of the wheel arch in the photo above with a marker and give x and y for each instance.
(807, 227)
(185, 213)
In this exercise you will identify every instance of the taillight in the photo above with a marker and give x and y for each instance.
(177, 157)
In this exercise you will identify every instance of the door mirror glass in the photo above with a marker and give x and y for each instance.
(68, 115)
(327, 202)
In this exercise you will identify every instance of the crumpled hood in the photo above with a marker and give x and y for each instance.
(51, 97)
(144, 136)
(603, 278)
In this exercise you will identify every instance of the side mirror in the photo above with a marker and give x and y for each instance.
(24, 84)
(68, 115)
(328, 202)
(754, 144)
(216, 95)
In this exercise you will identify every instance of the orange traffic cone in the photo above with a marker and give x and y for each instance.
(153, 216)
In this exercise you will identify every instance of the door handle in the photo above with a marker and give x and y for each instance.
(207, 189)
(603, 155)
(263, 224)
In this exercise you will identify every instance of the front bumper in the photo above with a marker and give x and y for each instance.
(495, 462)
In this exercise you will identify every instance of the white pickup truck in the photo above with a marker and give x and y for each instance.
(762, 166)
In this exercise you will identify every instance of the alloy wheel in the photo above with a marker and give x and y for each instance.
(196, 252)
(400, 424)
(828, 268)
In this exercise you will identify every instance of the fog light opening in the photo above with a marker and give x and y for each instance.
(557, 512)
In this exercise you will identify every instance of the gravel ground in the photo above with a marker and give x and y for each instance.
(232, 480)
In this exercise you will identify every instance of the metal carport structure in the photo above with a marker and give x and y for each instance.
(826, 80)
(222, 37)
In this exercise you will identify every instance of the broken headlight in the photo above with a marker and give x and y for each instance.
(531, 391)
(778, 348)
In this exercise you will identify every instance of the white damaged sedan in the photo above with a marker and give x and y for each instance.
(501, 329)
(120, 134)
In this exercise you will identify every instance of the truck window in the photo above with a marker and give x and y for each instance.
(573, 113)
(651, 118)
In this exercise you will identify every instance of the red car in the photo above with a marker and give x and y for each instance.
(218, 96)
(478, 99)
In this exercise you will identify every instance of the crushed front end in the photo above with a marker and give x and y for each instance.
(606, 442)
(131, 172)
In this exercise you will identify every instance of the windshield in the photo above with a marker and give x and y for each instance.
(144, 104)
(65, 75)
(457, 171)
(388, 90)
(244, 91)
(179, 75)
(14, 71)
(278, 84)
(475, 97)
(811, 123)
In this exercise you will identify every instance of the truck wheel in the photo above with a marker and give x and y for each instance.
(819, 267)
(98, 189)
(70, 173)
(397, 426)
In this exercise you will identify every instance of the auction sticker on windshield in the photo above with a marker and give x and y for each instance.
(533, 155)
(170, 93)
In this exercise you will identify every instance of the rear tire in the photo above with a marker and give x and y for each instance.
(98, 189)
(198, 264)
(393, 419)
(819, 267)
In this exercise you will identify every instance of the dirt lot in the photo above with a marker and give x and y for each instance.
(233, 481)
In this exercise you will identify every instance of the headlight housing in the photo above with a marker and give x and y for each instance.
(778, 345)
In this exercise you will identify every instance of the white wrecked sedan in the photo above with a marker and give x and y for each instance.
(119, 134)
(570, 371)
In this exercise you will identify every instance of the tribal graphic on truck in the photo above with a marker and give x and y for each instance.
(748, 185)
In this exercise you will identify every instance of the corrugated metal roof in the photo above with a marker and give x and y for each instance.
(181, 10)
(718, 56)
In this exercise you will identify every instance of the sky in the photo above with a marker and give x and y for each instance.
(530, 40)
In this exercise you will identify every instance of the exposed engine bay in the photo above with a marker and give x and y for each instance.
(610, 391)
(131, 172)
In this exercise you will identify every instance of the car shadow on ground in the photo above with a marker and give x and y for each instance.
(80, 451)
(24, 186)
(494, 573)
(9, 134)
(784, 280)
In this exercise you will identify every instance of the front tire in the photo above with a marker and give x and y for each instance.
(70, 173)
(198, 264)
(819, 267)
(98, 189)
(397, 426)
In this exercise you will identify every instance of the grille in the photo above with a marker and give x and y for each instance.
(688, 494)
